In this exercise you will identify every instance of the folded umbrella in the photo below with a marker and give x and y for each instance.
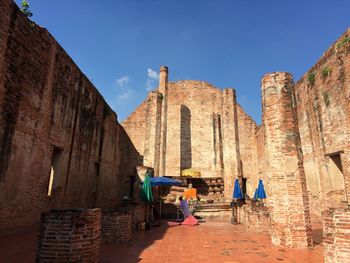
(261, 191)
(237, 193)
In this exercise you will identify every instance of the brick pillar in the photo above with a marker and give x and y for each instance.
(290, 215)
(70, 235)
(336, 235)
(230, 142)
(163, 88)
(151, 153)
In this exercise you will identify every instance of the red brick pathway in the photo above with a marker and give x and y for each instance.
(209, 242)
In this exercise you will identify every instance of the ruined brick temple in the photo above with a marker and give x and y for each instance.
(61, 145)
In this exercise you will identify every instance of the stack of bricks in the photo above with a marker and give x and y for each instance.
(290, 214)
(116, 226)
(336, 235)
(72, 235)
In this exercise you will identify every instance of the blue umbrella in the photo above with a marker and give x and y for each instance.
(158, 181)
(261, 191)
(255, 194)
(237, 193)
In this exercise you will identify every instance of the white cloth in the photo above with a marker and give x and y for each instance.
(184, 208)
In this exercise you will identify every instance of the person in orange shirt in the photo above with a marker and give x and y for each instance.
(190, 193)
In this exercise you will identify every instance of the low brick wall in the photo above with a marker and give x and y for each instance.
(70, 235)
(116, 226)
(336, 235)
(255, 216)
(138, 213)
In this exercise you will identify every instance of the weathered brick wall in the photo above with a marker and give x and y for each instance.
(48, 105)
(248, 145)
(70, 236)
(323, 95)
(336, 235)
(290, 216)
(116, 226)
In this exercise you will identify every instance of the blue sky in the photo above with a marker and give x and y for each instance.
(120, 44)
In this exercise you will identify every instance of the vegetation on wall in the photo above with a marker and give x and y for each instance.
(326, 98)
(311, 78)
(25, 9)
(343, 42)
(326, 71)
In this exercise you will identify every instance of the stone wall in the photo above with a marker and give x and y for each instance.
(70, 236)
(53, 121)
(336, 235)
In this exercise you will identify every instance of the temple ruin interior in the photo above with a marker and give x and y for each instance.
(65, 156)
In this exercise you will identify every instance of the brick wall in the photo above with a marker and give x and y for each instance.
(49, 108)
(323, 95)
(336, 235)
(70, 236)
(116, 226)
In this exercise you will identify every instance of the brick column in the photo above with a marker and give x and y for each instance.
(70, 235)
(290, 215)
(151, 155)
(230, 142)
(163, 88)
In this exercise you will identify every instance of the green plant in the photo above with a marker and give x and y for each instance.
(311, 78)
(343, 42)
(326, 71)
(25, 9)
(326, 98)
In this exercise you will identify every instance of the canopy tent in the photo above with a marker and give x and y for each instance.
(237, 193)
(160, 181)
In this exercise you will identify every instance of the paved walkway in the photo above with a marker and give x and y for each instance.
(209, 242)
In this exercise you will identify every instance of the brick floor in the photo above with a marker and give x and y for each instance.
(209, 242)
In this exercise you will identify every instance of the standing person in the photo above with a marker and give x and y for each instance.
(184, 207)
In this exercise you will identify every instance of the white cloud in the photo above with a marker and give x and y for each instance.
(125, 95)
(152, 74)
(122, 82)
(153, 77)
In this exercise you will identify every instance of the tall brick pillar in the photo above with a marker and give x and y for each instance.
(163, 89)
(290, 215)
(230, 142)
(151, 154)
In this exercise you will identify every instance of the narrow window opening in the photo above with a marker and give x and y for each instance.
(54, 172)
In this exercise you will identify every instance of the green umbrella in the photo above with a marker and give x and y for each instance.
(146, 191)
